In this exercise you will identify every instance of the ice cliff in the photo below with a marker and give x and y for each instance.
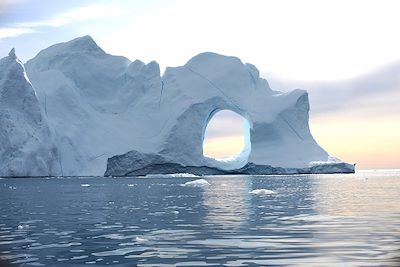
(108, 115)
(26, 145)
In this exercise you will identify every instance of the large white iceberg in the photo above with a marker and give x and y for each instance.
(110, 115)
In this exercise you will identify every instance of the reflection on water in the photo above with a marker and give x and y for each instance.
(312, 220)
(359, 214)
(373, 193)
(226, 201)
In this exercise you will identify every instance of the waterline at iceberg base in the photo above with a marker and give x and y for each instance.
(99, 114)
(132, 164)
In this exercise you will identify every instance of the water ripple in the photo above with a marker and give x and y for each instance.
(303, 220)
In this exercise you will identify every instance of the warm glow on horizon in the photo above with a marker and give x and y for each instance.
(372, 142)
(222, 147)
(364, 140)
(224, 135)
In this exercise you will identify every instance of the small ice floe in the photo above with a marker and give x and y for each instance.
(131, 185)
(85, 185)
(172, 175)
(183, 174)
(175, 212)
(139, 239)
(22, 227)
(196, 183)
(262, 191)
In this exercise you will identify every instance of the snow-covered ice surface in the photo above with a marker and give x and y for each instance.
(97, 106)
(92, 101)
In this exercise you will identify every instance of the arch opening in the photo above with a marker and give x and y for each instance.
(226, 139)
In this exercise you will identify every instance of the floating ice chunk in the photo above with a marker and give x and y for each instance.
(175, 212)
(85, 185)
(262, 192)
(184, 174)
(197, 183)
(139, 239)
(79, 257)
(131, 185)
(172, 175)
(20, 227)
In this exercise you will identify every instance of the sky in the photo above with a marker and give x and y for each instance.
(345, 53)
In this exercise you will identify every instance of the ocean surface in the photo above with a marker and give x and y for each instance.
(298, 220)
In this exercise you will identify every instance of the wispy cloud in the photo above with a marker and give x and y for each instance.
(13, 32)
(80, 14)
(379, 89)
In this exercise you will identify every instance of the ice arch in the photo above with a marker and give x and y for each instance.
(172, 123)
(184, 143)
(126, 114)
(227, 128)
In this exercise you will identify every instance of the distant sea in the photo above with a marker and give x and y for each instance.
(297, 220)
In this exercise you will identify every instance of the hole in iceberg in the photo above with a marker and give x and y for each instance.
(227, 140)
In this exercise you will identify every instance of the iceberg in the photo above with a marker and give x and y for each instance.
(99, 114)
(197, 183)
(26, 142)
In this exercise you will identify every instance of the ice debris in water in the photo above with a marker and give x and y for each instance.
(139, 239)
(197, 183)
(20, 227)
(172, 175)
(262, 192)
(85, 185)
(131, 185)
(183, 174)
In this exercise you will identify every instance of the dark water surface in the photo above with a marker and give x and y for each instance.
(311, 220)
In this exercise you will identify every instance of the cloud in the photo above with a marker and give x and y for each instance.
(374, 92)
(80, 14)
(223, 124)
(301, 39)
(13, 32)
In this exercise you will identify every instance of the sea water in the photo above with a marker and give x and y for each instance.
(297, 220)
